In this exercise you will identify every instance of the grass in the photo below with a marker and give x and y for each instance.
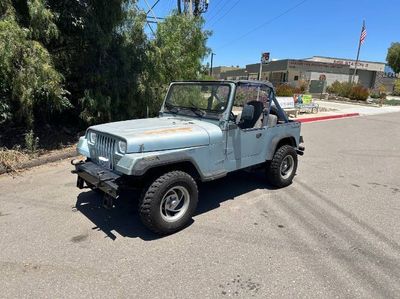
(9, 159)
(391, 102)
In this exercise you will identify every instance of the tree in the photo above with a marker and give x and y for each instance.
(393, 57)
(102, 53)
(176, 53)
(29, 81)
(92, 57)
(179, 47)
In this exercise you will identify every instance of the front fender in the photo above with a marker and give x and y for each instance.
(137, 164)
(83, 147)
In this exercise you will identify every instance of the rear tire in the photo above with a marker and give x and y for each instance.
(282, 168)
(169, 202)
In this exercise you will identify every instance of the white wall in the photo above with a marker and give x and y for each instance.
(330, 78)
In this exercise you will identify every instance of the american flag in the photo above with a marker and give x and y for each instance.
(363, 34)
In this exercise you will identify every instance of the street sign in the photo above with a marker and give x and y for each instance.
(265, 58)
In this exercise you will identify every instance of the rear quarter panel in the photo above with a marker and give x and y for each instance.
(279, 132)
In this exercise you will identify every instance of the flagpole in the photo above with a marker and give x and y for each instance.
(358, 53)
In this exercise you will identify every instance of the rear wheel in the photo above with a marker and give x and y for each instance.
(282, 168)
(169, 202)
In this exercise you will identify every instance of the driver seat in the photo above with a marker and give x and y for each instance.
(258, 110)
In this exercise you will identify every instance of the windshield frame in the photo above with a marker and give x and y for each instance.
(213, 114)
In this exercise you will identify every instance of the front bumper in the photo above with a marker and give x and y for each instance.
(96, 176)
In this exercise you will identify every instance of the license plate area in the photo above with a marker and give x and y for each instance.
(105, 162)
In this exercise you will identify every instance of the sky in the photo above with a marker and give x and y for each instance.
(295, 29)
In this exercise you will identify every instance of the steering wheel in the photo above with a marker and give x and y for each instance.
(232, 116)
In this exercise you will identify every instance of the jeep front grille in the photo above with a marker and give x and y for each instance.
(104, 149)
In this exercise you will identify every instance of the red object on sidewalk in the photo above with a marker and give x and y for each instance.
(327, 117)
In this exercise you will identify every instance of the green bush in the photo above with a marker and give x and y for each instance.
(396, 91)
(342, 89)
(4, 112)
(334, 87)
(375, 95)
(349, 90)
(31, 142)
(345, 89)
(284, 90)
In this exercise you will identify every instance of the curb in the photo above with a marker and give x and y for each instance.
(326, 117)
(350, 103)
(70, 153)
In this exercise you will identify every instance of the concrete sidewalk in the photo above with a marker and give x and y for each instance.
(338, 110)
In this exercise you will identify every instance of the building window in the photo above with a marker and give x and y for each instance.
(296, 78)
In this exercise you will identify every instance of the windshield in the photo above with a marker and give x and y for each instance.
(198, 98)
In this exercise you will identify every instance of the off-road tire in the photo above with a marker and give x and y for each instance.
(274, 174)
(149, 205)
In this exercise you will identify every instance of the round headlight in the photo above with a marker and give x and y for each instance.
(122, 147)
(92, 137)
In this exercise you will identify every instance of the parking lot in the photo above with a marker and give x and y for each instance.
(335, 232)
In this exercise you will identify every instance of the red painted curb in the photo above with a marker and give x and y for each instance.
(317, 118)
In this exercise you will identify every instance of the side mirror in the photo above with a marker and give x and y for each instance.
(247, 112)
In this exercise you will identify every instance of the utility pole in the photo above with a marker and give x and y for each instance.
(190, 4)
(211, 66)
(263, 60)
(193, 7)
(151, 19)
(260, 71)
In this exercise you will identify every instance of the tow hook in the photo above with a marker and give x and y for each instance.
(76, 162)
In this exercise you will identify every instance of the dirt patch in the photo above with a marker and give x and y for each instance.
(12, 161)
(79, 238)
(9, 159)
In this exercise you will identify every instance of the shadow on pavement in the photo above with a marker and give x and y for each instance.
(124, 219)
(212, 194)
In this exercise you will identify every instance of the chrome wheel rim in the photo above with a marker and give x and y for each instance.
(287, 167)
(174, 203)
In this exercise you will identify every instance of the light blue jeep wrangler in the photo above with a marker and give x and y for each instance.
(205, 130)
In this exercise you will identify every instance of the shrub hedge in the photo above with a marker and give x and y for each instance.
(349, 90)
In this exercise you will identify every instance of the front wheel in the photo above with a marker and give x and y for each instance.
(282, 168)
(169, 202)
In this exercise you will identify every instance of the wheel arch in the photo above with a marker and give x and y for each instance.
(289, 140)
(277, 142)
(185, 165)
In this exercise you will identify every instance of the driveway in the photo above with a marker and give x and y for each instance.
(335, 232)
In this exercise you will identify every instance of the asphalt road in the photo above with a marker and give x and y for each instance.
(335, 232)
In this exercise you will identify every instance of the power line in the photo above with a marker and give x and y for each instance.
(214, 8)
(263, 24)
(220, 10)
(151, 8)
(228, 11)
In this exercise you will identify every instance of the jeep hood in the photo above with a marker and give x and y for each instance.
(164, 133)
